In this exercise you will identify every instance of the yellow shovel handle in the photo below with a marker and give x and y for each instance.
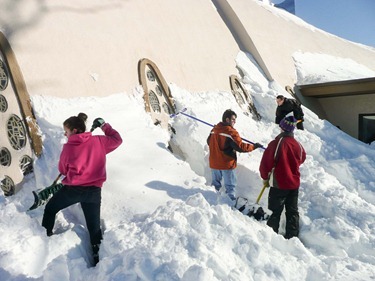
(261, 193)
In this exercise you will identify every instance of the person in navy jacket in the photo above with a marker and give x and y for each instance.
(279, 169)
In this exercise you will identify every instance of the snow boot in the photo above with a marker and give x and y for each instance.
(95, 253)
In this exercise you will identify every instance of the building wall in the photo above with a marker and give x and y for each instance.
(277, 35)
(92, 48)
(344, 111)
(84, 48)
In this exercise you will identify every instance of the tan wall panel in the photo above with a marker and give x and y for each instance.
(344, 111)
(84, 48)
(276, 38)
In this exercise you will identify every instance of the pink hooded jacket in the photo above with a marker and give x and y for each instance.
(83, 157)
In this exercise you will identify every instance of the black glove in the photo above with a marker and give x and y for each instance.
(257, 145)
(266, 183)
(98, 122)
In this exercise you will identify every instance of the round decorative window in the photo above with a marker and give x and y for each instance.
(159, 91)
(3, 104)
(4, 77)
(154, 101)
(7, 185)
(150, 75)
(167, 108)
(238, 93)
(26, 164)
(5, 157)
(16, 132)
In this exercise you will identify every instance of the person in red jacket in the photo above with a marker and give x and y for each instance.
(223, 143)
(279, 169)
(82, 162)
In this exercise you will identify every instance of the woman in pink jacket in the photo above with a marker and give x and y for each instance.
(83, 163)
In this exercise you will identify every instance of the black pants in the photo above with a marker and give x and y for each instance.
(90, 198)
(277, 199)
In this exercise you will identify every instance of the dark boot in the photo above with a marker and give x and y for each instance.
(95, 253)
(273, 222)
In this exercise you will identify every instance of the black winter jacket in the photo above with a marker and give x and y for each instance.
(289, 105)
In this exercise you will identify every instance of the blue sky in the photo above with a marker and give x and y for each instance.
(350, 19)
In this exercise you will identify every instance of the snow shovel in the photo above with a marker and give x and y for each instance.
(255, 211)
(258, 213)
(41, 197)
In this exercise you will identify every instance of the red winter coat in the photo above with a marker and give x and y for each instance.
(223, 142)
(83, 157)
(291, 155)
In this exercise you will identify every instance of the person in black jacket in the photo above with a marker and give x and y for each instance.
(285, 106)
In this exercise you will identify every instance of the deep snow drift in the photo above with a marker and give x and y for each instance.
(163, 220)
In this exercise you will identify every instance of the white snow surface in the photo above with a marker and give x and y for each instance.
(320, 68)
(164, 221)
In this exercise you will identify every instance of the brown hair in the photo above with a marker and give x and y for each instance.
(228, 114)
(76, 122)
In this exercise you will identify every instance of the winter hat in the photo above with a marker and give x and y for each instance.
(288, 124)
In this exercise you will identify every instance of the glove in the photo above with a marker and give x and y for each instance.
(257, 145)
(266, 183)
(98, 122)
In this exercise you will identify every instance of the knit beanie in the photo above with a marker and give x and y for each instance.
(288, 123)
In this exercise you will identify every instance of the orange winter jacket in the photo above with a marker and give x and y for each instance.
(223, 142)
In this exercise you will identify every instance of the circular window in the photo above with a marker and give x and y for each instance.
(5, 157)
(154, 101)
(167, 108)
(16, 132)
(3, 104)
(159, 91)
(4, 77)
(26, 165)
(7, 185)
(150, 75)
(238, 93)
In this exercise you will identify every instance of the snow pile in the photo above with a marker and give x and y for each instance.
(163, 221)
(320, 68)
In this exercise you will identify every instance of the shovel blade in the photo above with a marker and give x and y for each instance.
(258, 213)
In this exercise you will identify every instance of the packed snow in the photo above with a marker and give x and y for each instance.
(320, 68)
(161, 218)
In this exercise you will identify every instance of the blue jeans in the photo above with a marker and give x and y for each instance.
(90, 198)
(230, 181)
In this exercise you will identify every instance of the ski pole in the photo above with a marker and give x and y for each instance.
(192, 117)
(204, 122)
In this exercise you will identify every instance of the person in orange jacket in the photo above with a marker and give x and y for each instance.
(223, 143)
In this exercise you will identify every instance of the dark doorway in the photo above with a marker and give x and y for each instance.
(366, 131)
